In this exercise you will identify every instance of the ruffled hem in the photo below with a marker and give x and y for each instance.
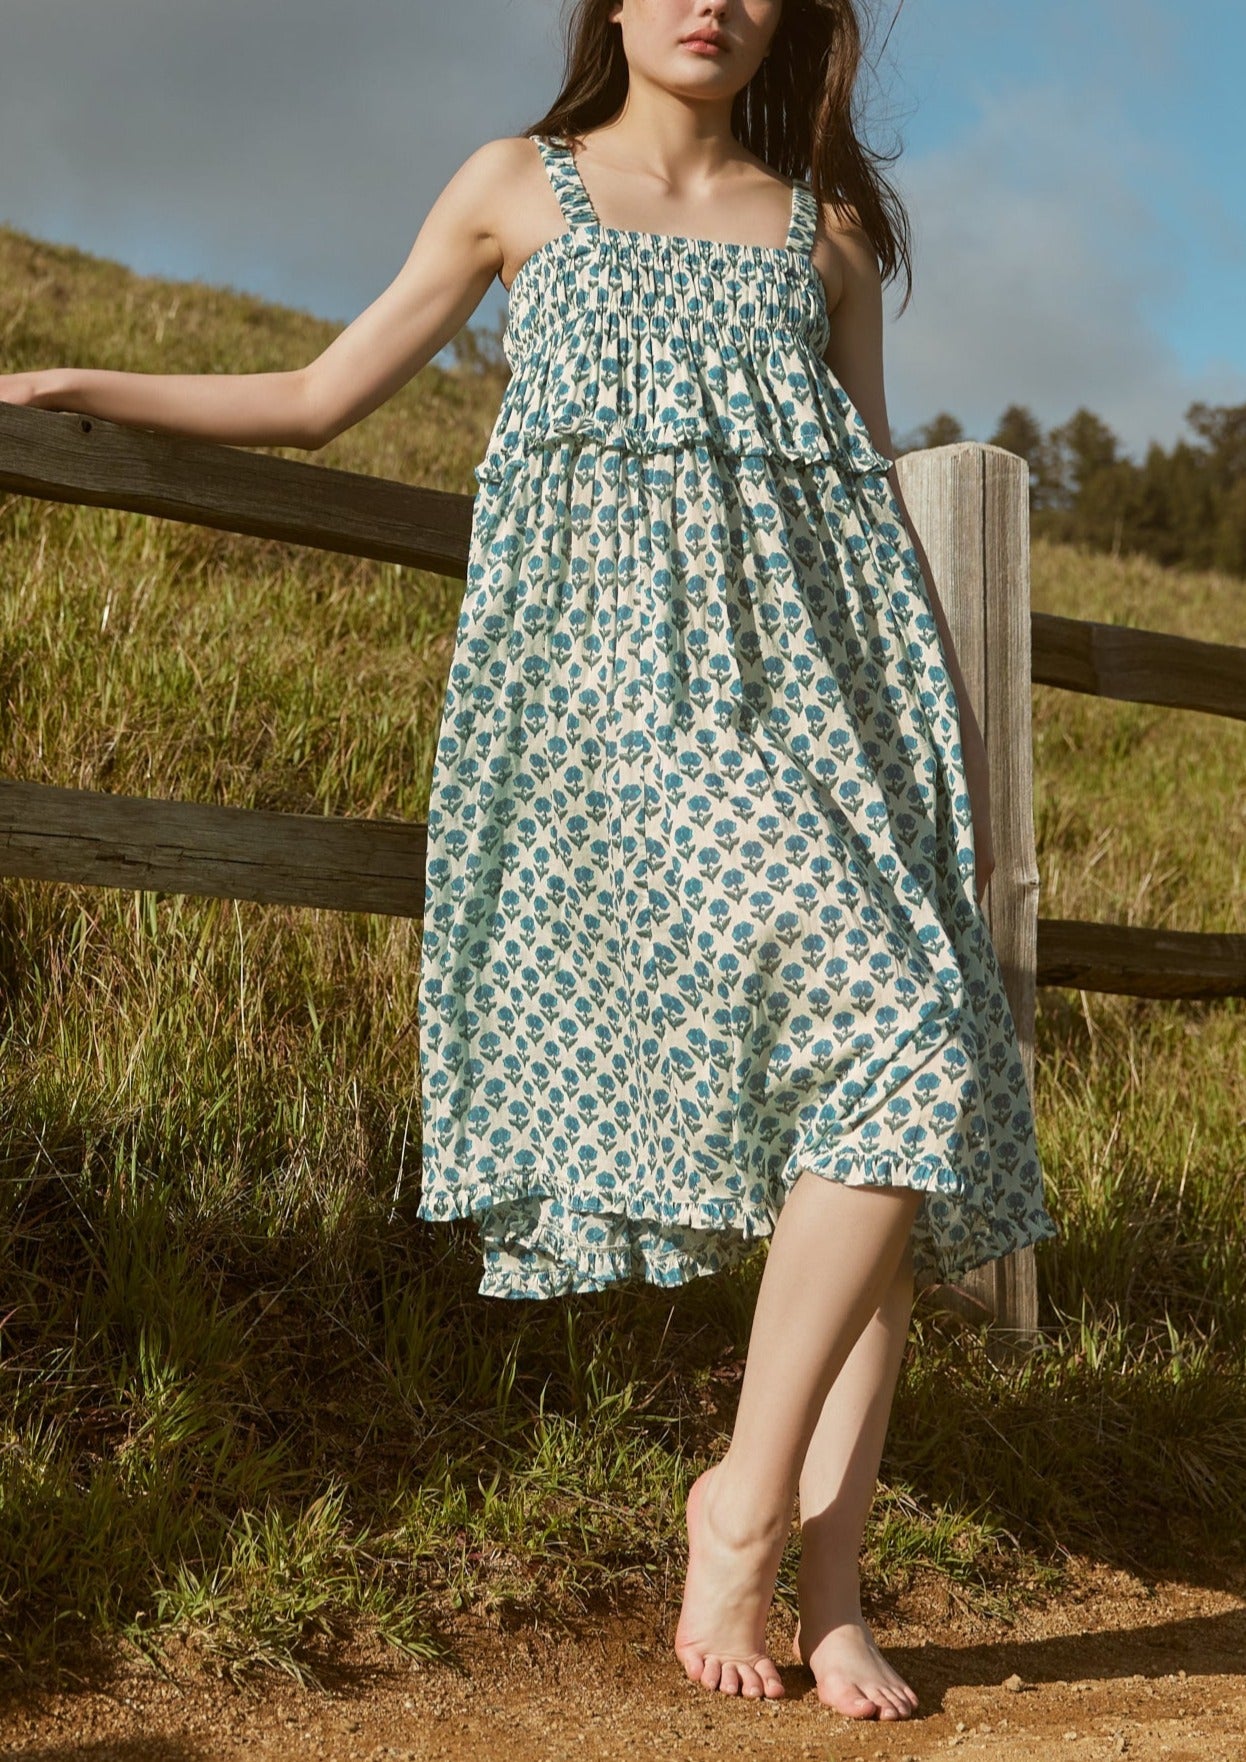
(541, 1239)
(851, 460)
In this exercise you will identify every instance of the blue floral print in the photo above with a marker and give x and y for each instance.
(700, 908)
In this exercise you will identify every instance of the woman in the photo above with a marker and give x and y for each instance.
(704, 960)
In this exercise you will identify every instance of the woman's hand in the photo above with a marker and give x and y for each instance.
(20, 388)
(978, 781)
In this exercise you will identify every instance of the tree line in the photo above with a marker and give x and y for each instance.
(1184, 506)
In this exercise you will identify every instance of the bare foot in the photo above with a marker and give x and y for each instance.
(721, 1637)
(851, 1673)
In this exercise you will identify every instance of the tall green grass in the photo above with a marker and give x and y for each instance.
(245, 1394)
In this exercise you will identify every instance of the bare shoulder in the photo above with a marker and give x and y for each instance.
(488, 177)
(513, 154)
(496, 198)
(514, 193)
(844, 255)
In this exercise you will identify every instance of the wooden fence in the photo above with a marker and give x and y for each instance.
(970, 507)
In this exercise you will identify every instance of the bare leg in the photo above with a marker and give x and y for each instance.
(837, 1486)
(830, 1263)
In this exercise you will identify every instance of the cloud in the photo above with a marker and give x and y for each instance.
(291, 148)
(1039, 275)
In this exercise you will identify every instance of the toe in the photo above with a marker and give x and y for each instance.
(772, 1682)
(886, 1700)
(848, 1699)
(730, 1680)
(711, 1671)
(901, 1697)
(693, 1663)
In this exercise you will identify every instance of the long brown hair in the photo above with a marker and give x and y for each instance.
(796, 113)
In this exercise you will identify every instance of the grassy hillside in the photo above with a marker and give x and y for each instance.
(244, 1393)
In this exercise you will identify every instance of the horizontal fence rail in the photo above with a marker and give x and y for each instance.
(61, 457)
(81, 836)
(132, 841)
(1138, 666)
(49, 834)
(1133, 960)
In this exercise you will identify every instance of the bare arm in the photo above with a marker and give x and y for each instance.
(855, 356)
(239, 409)
(450, 266)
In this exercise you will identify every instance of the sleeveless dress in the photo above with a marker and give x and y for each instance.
(699, 909)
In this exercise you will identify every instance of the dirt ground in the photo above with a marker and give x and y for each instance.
(1120, 1666)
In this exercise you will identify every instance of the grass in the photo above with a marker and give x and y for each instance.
(245, 1395)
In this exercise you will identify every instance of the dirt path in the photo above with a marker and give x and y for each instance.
(1121, 1667)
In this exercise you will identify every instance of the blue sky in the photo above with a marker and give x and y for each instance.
(1073, 170)
(1152, 93)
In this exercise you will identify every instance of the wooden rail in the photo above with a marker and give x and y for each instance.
(970, 507)
(133, 841)
(1139, 666)
(61, 457)
(49, 834)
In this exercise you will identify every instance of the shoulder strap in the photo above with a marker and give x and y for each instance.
(565, 179)
(802, 230)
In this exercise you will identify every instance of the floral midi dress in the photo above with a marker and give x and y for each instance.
(700, 908)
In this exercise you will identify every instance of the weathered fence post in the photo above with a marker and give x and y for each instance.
(970, 505)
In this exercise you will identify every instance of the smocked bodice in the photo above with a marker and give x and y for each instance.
(647, 341)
